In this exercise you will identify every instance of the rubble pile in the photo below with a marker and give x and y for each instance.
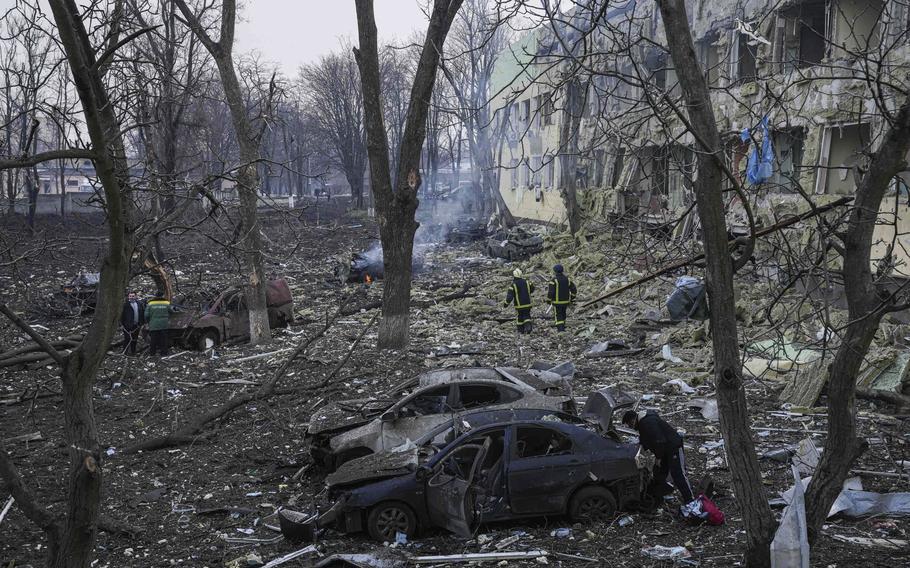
(214, 500)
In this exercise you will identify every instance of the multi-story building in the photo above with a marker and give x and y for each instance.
(824, 72)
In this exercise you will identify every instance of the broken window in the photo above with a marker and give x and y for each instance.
(546, 108)
(432, 401)
(745, 66)
(536, 441)
(802, 34)
(788, 158)
(709, 57)
(472, 396)
(513, 172)
(842, 158)
(855, 25)
(549, 173)
(535, 171)
(524, 111)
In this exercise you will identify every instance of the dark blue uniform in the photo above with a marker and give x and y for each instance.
(520, 294)
(561, 293)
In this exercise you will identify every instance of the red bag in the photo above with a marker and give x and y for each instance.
(715, 515)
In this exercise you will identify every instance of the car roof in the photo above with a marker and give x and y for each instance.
(566, 428)
(564, 418)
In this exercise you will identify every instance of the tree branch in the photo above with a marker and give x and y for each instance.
(65, 154)
(33, 511)
(30, 331)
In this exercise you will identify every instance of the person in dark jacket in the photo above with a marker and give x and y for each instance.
(662, 439)
(132, 318)
(157, 314)
(520, 294)
(560, 294)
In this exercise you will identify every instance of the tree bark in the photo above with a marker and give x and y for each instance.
(731, 397)
(866, 305)
(73, 545)
(568, 147)
(395, 207)
(250, 240)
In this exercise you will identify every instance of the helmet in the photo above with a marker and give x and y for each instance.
(516, 273)
(557, 269)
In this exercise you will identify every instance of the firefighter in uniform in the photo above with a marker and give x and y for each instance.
(560, 294)
(520, 294)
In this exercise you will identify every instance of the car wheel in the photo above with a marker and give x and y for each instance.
(206, 337)
(351, 454)
(592, 503)
(390, 518)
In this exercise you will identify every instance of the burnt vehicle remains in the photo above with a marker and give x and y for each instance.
(81, 292)
(228, 318)
(499, 472)
(466, 231)
(516, 244)
(348, 429)
(367, 266)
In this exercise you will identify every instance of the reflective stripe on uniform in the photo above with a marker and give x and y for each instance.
(556, 299)
(518, 298)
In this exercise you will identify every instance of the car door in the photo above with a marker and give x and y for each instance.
(545, 466)
(450, 502)
(416, 414)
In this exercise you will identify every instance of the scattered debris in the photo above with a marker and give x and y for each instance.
(479, 557)
(893, 543)
(707, 407)
(311, 549)
(667, 355)
(673, 553)
(790, 546)
(611, 348)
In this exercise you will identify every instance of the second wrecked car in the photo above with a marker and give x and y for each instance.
(496, 473)
(517, 244)
(350, 429)
(228, 317)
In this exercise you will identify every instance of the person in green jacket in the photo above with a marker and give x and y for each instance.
(157, 315)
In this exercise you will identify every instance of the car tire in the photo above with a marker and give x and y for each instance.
(391, 517)
(206, 335)
(592, 503)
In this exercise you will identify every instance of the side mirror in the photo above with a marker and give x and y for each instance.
(422, 473)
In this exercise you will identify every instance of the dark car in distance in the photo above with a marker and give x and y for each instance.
(495, 473)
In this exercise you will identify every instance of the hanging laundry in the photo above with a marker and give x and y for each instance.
(761, 162)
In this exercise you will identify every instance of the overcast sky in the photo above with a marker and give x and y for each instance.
(291, 32)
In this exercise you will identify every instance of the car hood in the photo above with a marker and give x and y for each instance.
(374, 467)
(345, 415)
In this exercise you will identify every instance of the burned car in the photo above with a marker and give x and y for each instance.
(517, 244)
(494, 473)
(81, 291)
(466, 231)
(227, 316)
(367, 266)
(349, 429)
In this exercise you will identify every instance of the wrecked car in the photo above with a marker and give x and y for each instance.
(466, 231)
(411, 453)
(227, 317)
(516, 244)
(497, 473)
(367, 266)
(349, 429)
(82, 290)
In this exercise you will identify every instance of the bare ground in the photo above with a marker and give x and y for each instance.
(186, 499)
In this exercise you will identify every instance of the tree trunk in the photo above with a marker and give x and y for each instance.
(568, 146)
(250, 240)
(396, 207)
(731, 397)
(866, 306)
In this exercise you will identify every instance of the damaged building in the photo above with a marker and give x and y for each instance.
(807, 66)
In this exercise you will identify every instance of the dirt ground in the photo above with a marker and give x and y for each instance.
(187, 500)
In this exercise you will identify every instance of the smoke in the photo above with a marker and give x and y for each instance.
(439, 215)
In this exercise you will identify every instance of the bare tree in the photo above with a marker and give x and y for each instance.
(71, 542)
(477, 41)
(248, 140)
(397, 204)
(334, 106)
